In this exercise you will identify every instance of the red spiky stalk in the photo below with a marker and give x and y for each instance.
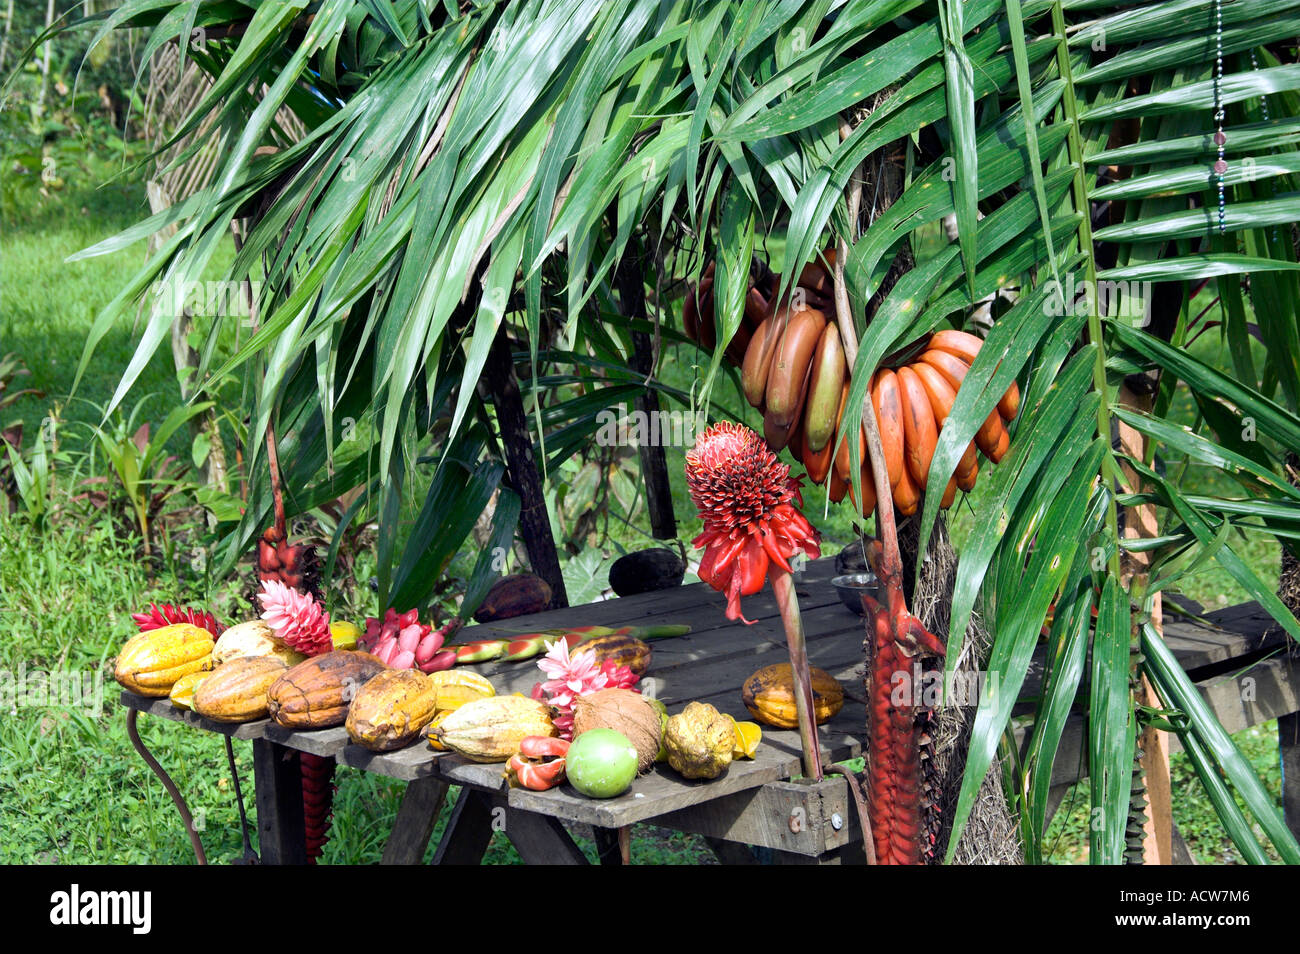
(896, 721)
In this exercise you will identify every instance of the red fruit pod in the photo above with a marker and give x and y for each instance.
(428, 646)
(542, 746)
(441, 661)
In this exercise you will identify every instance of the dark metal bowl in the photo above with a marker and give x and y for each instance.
(851, 586)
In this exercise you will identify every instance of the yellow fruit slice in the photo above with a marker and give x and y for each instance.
(461, 677)
(454, 696)
(182, 693)
(344, 635)
(748, 735)
(428, 730)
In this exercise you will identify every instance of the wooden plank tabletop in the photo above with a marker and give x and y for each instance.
(708, 664)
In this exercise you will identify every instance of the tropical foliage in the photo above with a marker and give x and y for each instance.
(493, 164)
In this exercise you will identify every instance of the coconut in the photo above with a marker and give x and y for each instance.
(623, 711)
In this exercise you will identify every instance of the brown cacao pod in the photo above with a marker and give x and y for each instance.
(316, 693)
(389, 711)
(769, 696)
(236, 691)
(623, 650)
(151, 662)
(515, 595)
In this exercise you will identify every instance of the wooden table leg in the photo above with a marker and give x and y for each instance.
(469, 830)
(731, 852)
(541, 839)
(414, 823)
(614, 845)
(1288, 744)
(278, 781)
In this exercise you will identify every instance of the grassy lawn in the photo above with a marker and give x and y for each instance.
(71, 788)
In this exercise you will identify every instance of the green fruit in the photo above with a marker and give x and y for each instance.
(601, 763)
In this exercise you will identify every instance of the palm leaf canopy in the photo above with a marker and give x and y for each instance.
(466, 164)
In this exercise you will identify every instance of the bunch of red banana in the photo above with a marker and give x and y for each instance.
(539, 763)
(912, 404)
(401, 641)
(812, 290)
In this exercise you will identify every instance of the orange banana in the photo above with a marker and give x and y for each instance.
(889, 418)
(920, 430)
(958, 343)
(967, 482)
(818, 463)
(906, 495)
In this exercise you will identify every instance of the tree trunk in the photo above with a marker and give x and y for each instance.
(521, 468)
(4, 40)
(654, 466)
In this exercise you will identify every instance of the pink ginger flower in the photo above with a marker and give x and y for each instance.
(296, 618)
(573, 676)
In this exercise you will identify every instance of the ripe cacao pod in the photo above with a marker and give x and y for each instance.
(252, 638)
(389, 711)
(316, 693)
(490, 730)
(515, 595)
(236, 691)
(769, 696)
(151, 662)
(623, 650)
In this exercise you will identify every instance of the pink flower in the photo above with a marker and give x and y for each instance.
(297, 619)
(573, 676)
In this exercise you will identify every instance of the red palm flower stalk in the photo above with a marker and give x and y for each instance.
(747, 500)
(895, 730)
(164, 614)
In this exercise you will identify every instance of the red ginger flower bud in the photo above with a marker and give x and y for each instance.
(747, 500)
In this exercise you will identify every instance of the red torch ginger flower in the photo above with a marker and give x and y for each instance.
(747, 500)
(296, 618)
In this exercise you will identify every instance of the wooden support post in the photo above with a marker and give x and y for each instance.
(278, 781)
(469, 830)
(521, 468)
(414, 823)
(614, 845)
(541, 839)
(654, 466)
(1288, 744)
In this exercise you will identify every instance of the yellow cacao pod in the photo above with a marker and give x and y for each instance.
(462, 677)
(151, 662)
(316, 693)
(253, 638)
(236, 691)
(769, 696)
(490, 730)
(389, 711)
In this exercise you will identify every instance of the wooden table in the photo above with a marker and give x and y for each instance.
(755, 802)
